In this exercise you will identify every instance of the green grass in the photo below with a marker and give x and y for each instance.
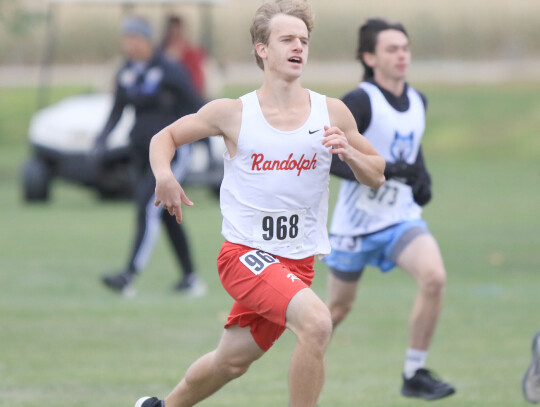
(64, 340)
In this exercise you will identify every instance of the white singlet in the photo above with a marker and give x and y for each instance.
(395, 135)
(274, 194)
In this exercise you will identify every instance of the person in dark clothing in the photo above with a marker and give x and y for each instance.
(383, 228)
(176, 46)
(160, 92)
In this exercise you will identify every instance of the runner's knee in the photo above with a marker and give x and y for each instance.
(316, 327)
(233, 367)
(433, 281)
(339, 310)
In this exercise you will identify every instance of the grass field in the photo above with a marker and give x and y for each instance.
(65, 341)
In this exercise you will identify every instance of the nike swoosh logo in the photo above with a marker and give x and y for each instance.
(313, 131)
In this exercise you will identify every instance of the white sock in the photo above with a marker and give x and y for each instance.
(414, 360)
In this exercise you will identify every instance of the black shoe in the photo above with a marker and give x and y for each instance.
(122, 283)
(192, 285)
(426, 386)
(531, 379)
(149, 402)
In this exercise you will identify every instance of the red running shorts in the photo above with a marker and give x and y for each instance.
(262, 286)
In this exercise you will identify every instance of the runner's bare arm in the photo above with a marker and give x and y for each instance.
(353, 148)
(219, 117)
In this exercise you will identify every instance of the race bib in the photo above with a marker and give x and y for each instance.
(350, 244)
(278, 228)
(390, 197)
(257, 261)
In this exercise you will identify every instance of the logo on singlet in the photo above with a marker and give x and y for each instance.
(402, 146)
(290, 164)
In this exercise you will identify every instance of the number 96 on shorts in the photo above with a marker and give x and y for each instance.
(257, 261)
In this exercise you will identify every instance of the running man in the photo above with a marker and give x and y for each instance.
(383, 228)
(274, 200)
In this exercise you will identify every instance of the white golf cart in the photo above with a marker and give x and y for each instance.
(62, 135)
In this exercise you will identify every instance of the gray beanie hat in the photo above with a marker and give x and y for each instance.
(137, 26)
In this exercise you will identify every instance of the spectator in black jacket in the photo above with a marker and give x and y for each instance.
(160, 92)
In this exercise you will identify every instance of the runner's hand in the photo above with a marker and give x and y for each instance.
(171, 196)
(401, 170)
(335, 139)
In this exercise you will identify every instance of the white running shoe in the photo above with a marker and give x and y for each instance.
(191, 285)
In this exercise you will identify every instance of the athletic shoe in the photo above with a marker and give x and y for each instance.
(122, 283)
(425, 385)
(191, 285)
(531, 379)
(149, 402)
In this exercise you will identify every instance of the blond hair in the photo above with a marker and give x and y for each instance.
(260, 26)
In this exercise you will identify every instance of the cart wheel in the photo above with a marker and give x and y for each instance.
(36, 180)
